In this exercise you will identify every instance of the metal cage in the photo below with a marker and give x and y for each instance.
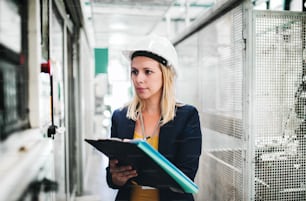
(278, 110)
(250, 87)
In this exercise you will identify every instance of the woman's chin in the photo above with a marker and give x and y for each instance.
(142, 96)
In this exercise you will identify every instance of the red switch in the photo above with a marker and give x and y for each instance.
(45, 67)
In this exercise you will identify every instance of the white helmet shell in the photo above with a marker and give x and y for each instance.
(158, 45)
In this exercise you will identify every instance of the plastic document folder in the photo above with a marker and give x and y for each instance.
(153, 168)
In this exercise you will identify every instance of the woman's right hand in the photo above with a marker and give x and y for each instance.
(121, 174)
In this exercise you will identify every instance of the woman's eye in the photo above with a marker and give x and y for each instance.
(148, 72)
(134, 72)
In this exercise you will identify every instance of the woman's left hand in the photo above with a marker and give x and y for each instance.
(121, 174)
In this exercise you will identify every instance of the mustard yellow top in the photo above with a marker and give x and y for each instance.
(140, 193)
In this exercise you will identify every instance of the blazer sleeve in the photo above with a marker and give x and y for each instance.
(114, 133)
(189, 144)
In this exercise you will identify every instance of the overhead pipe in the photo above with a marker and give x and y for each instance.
(208, 17)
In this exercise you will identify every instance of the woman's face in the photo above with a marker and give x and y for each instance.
(147, 77)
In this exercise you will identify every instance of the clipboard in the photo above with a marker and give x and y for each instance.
(153, 168)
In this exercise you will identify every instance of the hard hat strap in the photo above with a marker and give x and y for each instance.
(150, 55)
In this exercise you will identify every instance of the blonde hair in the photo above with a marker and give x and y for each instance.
(167, 102)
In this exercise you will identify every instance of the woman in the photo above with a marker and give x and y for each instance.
(170, 127)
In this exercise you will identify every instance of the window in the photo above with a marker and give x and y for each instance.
(13, 68)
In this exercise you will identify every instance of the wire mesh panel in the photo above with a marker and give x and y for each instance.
(221, 48)
(279, 114)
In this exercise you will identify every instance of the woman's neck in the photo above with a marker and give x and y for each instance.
(151, 108)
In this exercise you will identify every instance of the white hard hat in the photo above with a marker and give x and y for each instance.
(155, 47)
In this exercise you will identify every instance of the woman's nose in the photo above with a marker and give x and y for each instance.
(140, 78)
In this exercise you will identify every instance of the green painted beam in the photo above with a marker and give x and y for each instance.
(101, 60)
(195, 5)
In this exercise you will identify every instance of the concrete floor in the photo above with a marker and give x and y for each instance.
(95, 186)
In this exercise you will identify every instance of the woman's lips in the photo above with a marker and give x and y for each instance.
(140, 89)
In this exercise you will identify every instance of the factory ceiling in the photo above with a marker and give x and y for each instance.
(117, 22)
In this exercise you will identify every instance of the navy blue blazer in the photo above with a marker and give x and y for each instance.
(180, 141)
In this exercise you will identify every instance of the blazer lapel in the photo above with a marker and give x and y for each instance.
(129, 132)
(166, 135)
